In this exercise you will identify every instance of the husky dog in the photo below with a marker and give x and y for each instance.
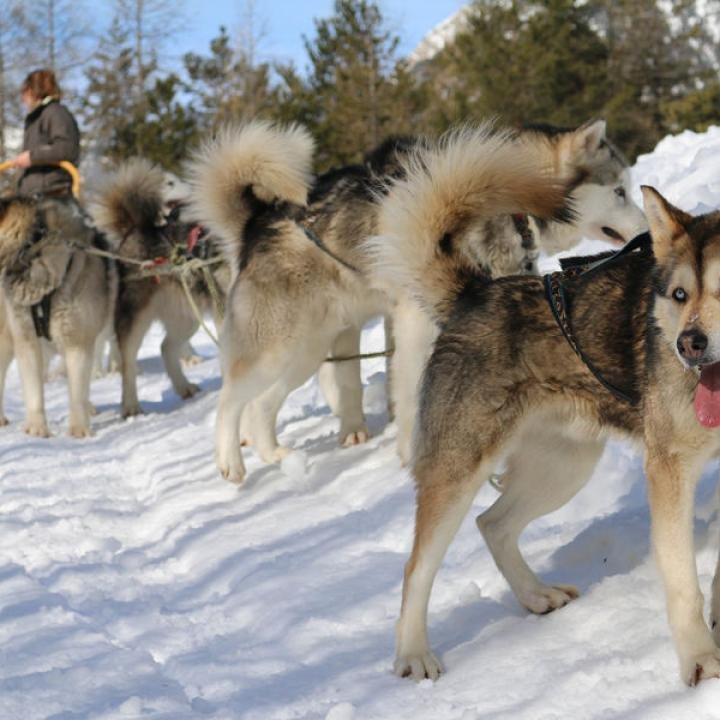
(503, 378)
(596, 176)
(131, 211)
(340, 212)
(51, 287)
(299, 282)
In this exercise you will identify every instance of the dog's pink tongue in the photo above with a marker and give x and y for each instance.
(707, 397)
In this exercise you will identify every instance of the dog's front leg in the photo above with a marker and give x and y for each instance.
(32, 367)
(671, 488)
(715, 605)
(6, 356)
(79, 361)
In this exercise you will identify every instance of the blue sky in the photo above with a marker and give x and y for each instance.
(285, 22)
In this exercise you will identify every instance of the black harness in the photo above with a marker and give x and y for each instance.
(573, 268)
(317, 240)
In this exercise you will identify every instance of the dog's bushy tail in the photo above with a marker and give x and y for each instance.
(471, 174)
(243, 165)
(130, 201)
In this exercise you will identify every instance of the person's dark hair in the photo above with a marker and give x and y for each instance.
(42, 83)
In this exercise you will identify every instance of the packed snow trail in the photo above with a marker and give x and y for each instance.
(135, 582)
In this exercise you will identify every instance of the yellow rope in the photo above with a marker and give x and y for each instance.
(67, 166)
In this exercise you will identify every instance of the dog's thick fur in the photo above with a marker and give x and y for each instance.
(131, 210)
(37, 258)
(503, 379)
(292, 300)
(585, 162)
(278, 263)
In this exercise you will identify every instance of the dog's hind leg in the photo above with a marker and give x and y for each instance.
(443, 499)
(179, 327)
(342, 387)
(243, 380)
(544, 472)
(6, 356)
(130, 334)
(79, 363)
(414, 334)
(264, 409)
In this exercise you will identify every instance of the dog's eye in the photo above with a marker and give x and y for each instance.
(679, 295)
(620, 192)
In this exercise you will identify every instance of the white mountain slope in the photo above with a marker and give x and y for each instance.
(136, 583)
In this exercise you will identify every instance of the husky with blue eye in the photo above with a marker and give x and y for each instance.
(542, 370)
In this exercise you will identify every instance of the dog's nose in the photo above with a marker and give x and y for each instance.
(692, 344)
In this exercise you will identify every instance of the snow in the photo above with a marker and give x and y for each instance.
(135, 582)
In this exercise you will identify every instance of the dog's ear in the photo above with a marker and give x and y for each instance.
(588, 138)
(667, 223)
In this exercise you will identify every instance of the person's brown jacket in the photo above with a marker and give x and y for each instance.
(51, 135)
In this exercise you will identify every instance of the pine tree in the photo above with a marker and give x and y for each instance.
(130, 109)
(354, 94)
(108, 106)
(524, 62)
(652, 63)
(16, 31)
(228, 83)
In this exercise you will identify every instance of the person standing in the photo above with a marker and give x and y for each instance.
(51, 135)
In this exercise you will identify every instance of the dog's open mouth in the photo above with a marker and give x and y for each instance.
(707, 396)
(614, 235)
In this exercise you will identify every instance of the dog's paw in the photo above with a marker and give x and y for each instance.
(229, 461)
(190, 390)
(131, 410)
(701, 667)
(192, 359)
(79, 430)
(419, 667)
(274, 455)
(356, 437)
(37, 429)
(245, 441)
(232, 472)
(544, 599)
(3, 420)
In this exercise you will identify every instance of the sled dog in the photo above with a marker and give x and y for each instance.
(296, 248)
(299, 282)
(132, 211)
(596, 176)
(506, 376)
(52, 292)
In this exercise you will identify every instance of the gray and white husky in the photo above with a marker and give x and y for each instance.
(302, 282)
(52, 292)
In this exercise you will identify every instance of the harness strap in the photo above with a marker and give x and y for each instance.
(556, 296)
(314, 238)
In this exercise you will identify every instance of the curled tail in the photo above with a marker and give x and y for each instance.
(426, 222)
(131, 201)
(244, 165)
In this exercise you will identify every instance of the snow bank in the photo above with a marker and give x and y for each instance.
(134, 582)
